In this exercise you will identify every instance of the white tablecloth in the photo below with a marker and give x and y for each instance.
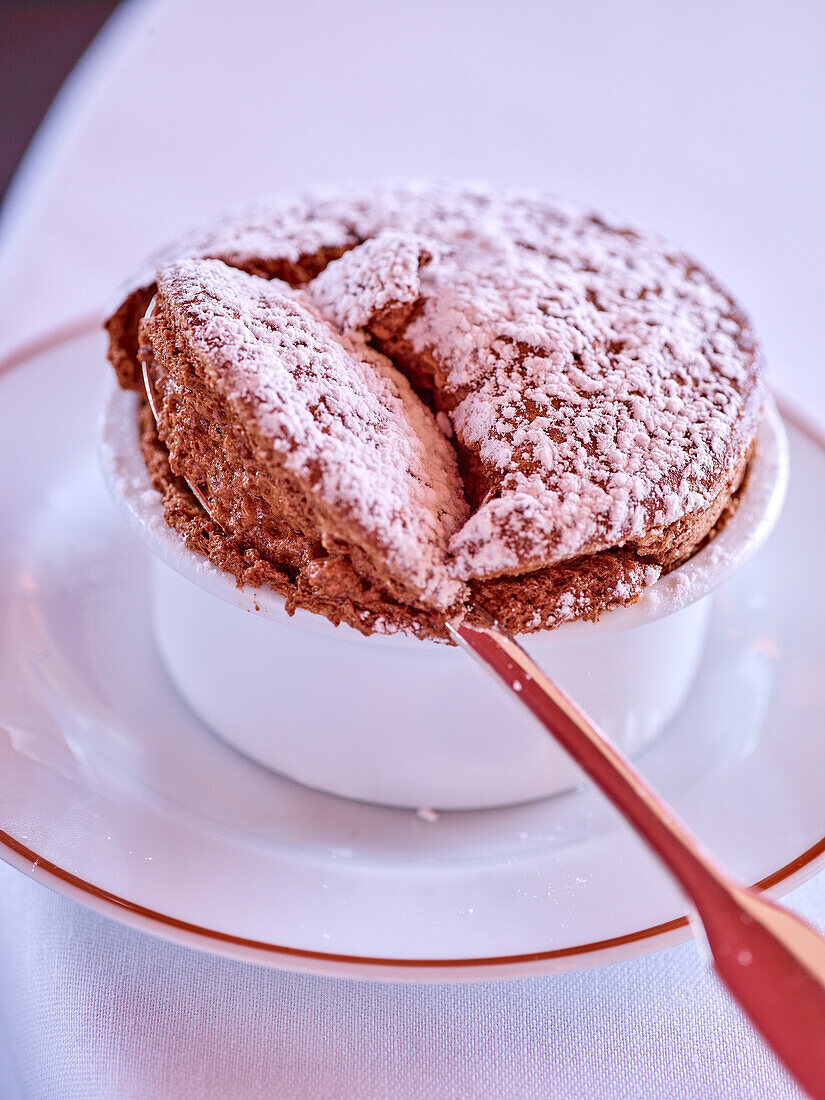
(703, 120)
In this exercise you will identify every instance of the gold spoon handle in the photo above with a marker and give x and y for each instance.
(770, 960)
(151, 398)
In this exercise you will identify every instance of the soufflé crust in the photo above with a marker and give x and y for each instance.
(405, 404)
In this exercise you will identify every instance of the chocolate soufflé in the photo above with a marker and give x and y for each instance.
(403, 404)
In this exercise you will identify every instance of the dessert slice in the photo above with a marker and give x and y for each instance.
(308, 447)
(603, 393)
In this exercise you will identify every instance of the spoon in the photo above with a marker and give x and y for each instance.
(150, 397)
(770, 960)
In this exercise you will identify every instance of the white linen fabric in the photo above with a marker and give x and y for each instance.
(698, 119)
(96, 1011)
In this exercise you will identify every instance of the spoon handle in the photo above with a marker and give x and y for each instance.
(770, 960)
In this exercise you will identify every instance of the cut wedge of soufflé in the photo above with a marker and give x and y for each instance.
(404, 404)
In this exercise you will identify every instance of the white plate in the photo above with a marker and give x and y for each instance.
(111, 791)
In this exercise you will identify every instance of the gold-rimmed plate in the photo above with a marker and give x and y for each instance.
(112, 793)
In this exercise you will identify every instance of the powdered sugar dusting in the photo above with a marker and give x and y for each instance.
(604, 384)
(338, 416)
(382, 272)
(254, 236)
(603, 379)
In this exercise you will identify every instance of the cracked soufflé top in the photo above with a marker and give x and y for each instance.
(400, 404)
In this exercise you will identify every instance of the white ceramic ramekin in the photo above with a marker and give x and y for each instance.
(410, 723)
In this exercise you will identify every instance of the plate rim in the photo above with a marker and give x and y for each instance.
(486, 968)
